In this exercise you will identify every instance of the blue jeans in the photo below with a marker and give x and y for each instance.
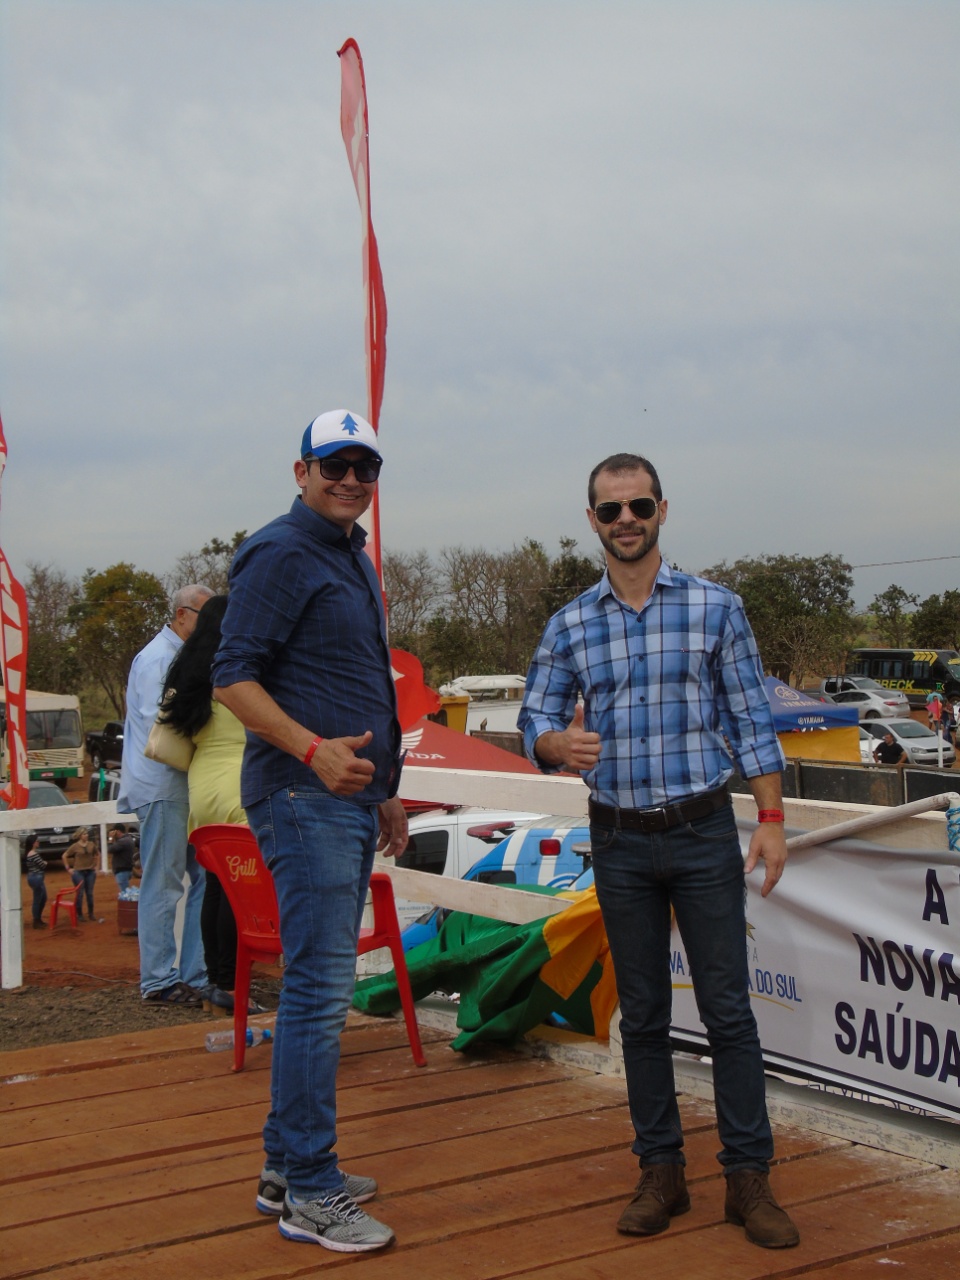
(36, 882)
(166, 859)
(84, 880)
(698, 868)
(320, 850)
(123, 880)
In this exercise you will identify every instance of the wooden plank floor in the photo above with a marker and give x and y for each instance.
(137, 1156)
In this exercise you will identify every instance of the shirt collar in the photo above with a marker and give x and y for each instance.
(664, 578)
(325, 530)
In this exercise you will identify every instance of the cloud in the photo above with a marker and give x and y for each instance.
(726, 232)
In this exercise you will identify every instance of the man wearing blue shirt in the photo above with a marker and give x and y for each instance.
(157, 794)
(672, 687)
(304, 664)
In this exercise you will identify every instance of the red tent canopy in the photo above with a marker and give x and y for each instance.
(433, 746)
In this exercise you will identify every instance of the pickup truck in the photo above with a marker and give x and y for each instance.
(106, 745)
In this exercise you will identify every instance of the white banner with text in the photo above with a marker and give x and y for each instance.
(854, 971)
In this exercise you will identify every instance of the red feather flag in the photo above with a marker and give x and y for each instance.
(355, 129)
(13, 668)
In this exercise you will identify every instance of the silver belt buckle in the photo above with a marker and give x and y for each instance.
(661, 814)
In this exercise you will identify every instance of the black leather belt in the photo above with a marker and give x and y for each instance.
(663, 817)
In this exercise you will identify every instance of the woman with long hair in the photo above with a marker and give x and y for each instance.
(213, 780)
(36, 870)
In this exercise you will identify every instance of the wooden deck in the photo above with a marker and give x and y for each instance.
(138, 1155)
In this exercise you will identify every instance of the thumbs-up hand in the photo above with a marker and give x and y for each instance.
(579, 749)
(339, 768)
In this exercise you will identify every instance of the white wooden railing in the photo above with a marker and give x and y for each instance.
(916, 826)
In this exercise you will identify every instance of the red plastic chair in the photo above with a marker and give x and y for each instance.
(65, 900)
(231, 853)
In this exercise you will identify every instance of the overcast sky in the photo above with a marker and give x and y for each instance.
(720, 234)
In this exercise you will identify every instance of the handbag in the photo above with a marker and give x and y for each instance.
(167, 746)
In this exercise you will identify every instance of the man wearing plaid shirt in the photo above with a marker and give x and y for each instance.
(673, 696)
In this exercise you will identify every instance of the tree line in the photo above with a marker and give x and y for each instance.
(472, 611)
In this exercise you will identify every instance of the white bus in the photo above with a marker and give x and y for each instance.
(54, 736)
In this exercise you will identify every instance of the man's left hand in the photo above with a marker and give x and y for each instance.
(769, 843)
(393, 828)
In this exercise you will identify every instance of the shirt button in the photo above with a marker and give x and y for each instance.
(643, 739)
(645, 782)
(643, 699)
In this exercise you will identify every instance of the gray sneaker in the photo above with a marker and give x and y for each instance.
(336, 1222)
(273, 1187)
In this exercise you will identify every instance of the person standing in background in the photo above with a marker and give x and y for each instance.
(157, 794)
(81, 859)
(36, 872)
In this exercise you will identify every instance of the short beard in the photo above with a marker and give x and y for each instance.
(647, 544)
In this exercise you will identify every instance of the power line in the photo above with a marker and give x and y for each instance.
(885, 564)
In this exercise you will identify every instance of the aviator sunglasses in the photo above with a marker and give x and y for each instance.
(642, 508)
(366, 470)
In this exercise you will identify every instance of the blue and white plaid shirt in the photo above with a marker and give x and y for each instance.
(662, 687)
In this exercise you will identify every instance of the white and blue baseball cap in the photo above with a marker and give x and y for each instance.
(336, 430)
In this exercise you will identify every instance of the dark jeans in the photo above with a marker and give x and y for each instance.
(218, 929)
(36, 882)
(698, 868)
(84, 880)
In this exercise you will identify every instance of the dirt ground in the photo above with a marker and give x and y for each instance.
(84, 982)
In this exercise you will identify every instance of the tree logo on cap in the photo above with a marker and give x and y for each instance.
(350, 425)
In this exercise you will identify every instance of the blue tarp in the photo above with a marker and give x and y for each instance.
(793, 710)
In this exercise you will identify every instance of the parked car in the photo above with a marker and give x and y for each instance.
(921, 744)
(53, 840)
(105, 745)
(850, 684)
(547, 852)
(870, 704)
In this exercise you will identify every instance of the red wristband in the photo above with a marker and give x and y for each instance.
(770, 815)
(312, 749)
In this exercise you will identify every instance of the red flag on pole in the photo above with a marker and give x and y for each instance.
(355, 130)
(415, 699)
(13, 666)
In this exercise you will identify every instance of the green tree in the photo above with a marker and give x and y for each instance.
(412, 588)
(116, 613)
(799, 607)
(893, 622)
(570, 575)
(210, 565)
(936, 623)
(52, 663)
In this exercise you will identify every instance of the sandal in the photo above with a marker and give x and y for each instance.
(178, 994)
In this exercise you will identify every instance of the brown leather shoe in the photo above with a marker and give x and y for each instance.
(750, 1204)
(661, 1195)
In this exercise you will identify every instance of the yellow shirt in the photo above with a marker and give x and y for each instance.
(214, 773)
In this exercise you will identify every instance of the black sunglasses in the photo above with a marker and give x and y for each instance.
(642, 508)
(366, 470)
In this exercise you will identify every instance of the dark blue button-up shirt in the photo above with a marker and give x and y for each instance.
(305, 620)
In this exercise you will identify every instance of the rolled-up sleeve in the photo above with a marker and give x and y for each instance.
(742, 701)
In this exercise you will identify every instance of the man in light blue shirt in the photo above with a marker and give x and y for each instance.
(673, 697)
(157, 794)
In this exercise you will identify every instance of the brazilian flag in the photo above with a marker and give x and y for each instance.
(511, 977)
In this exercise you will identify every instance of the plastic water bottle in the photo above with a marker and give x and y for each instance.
(218, 1041)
